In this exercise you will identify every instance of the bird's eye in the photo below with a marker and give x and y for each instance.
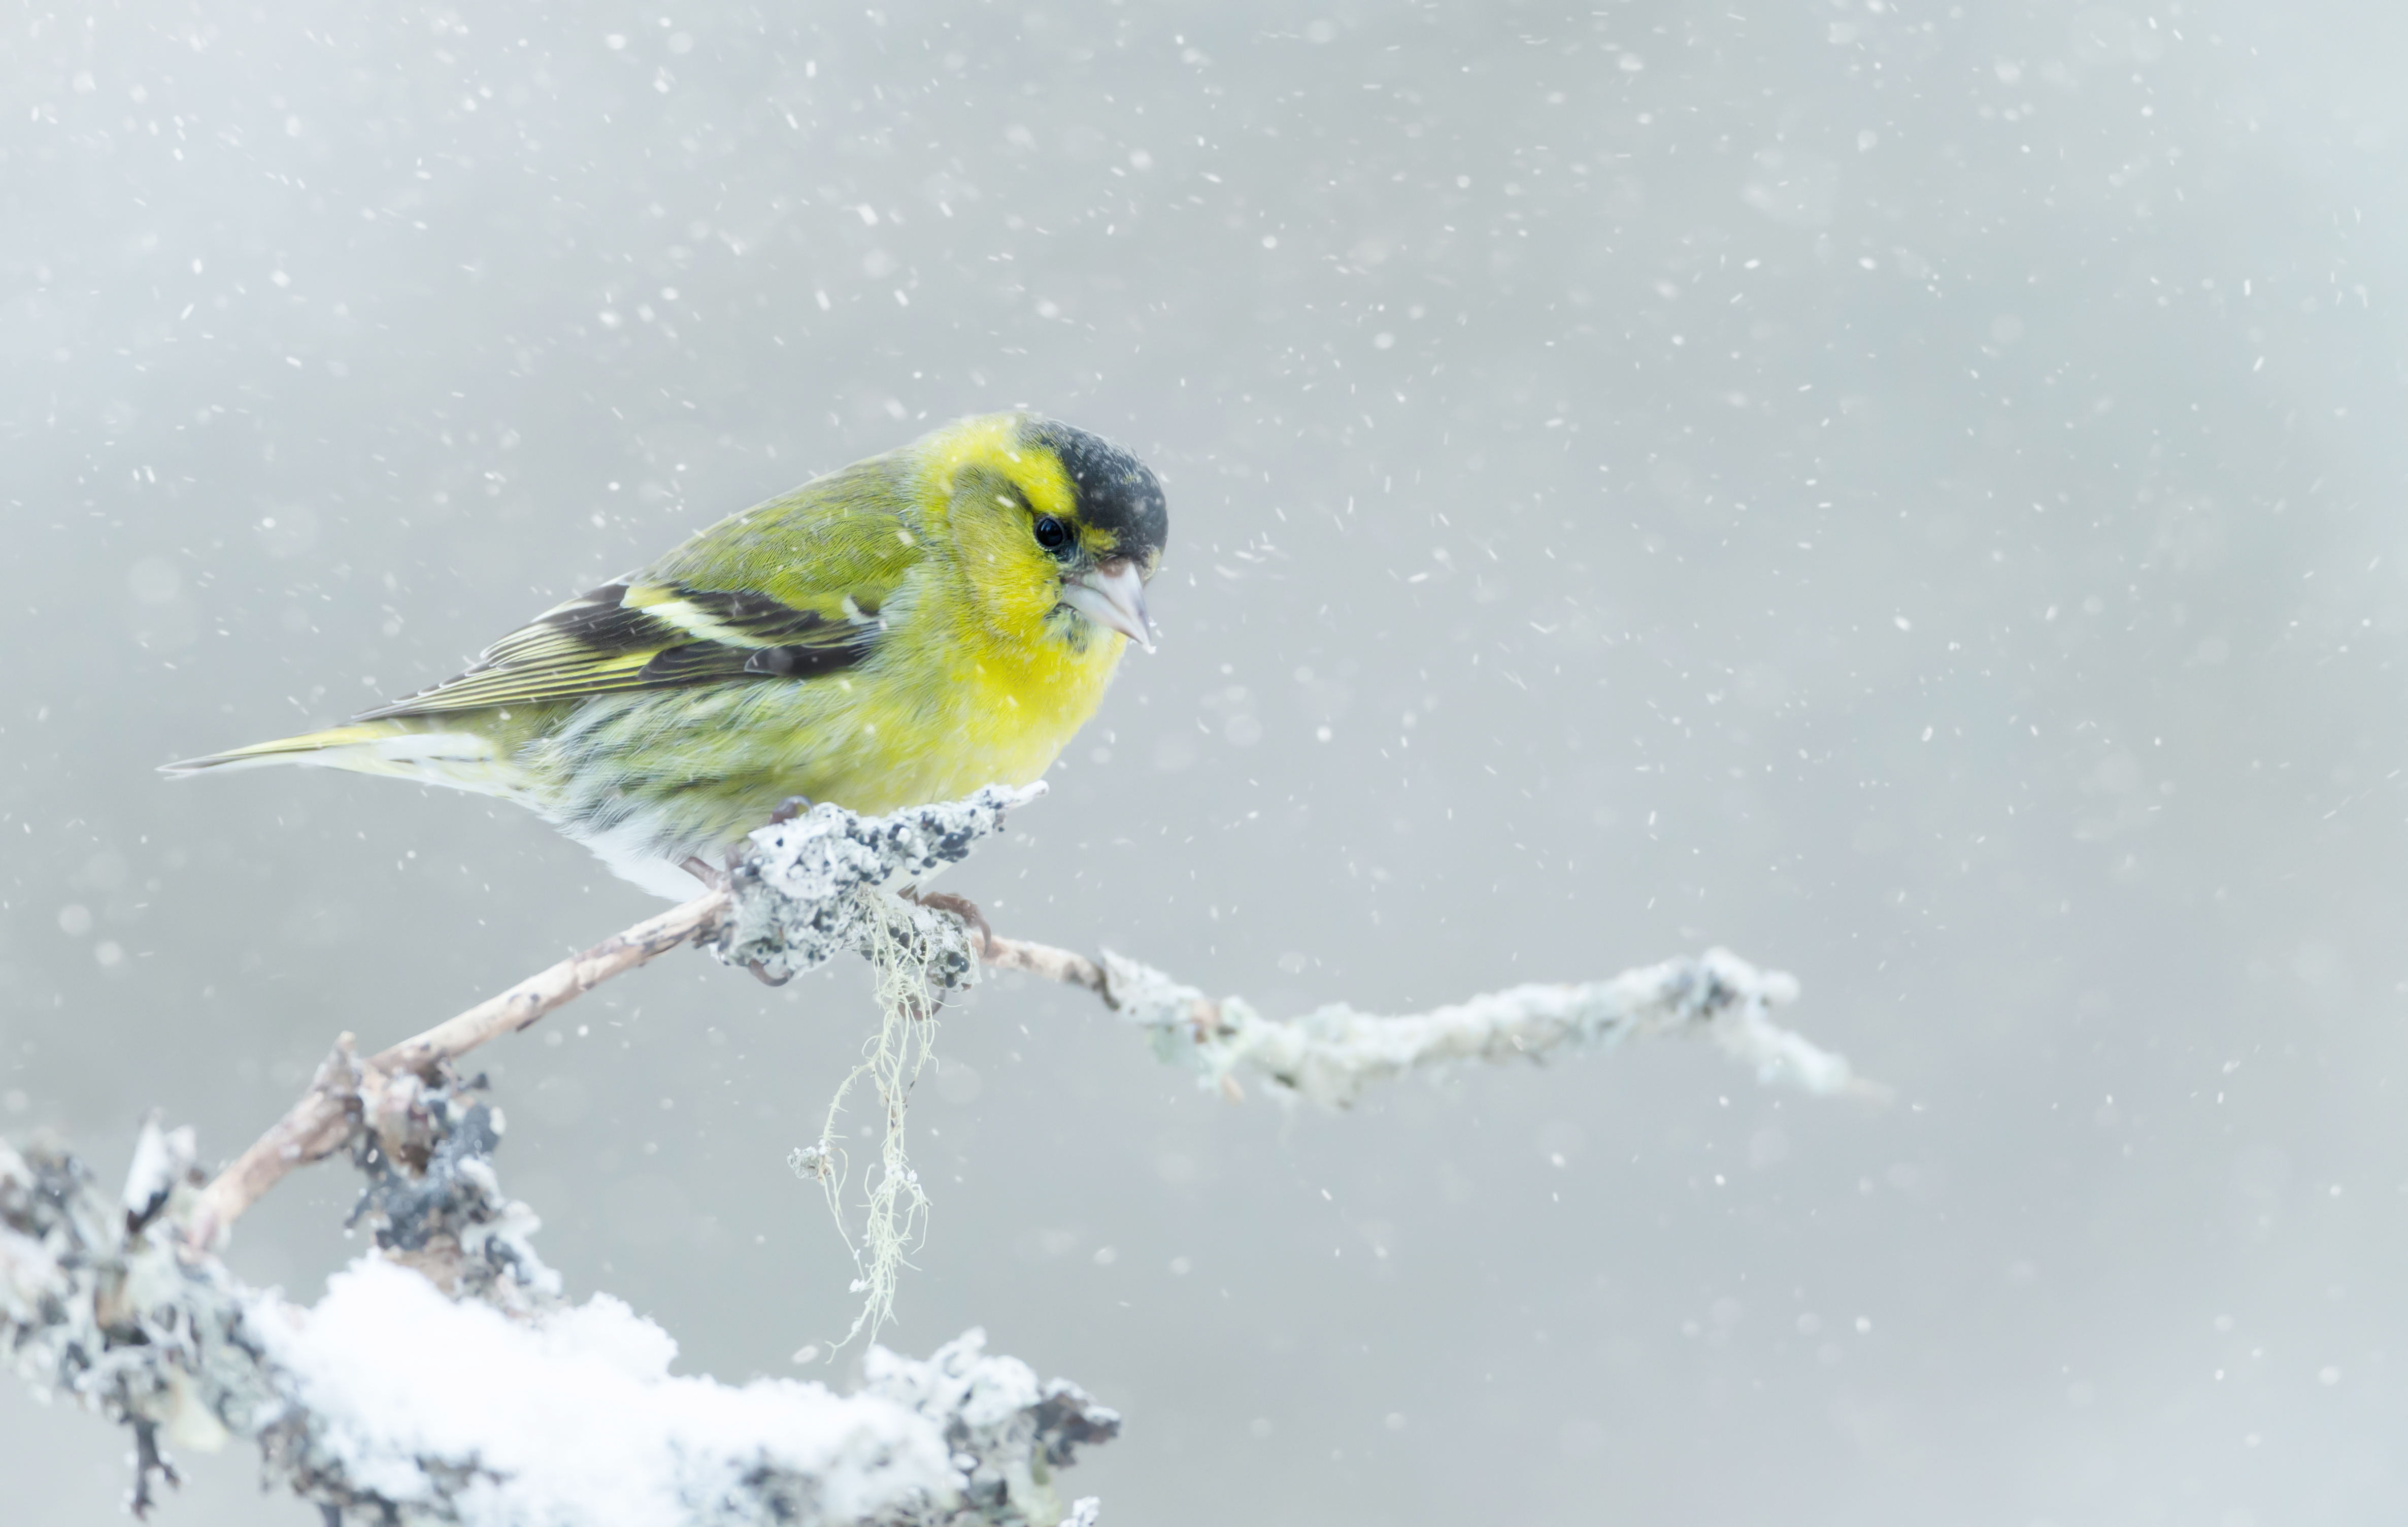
(1052, 533)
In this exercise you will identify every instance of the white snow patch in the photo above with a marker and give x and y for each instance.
(574, 1420)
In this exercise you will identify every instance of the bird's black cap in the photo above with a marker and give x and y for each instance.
(1116, 491)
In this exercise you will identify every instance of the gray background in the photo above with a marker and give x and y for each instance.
(1906, 492)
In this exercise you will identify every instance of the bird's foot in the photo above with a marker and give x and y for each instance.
(763, 976)
(788, 809)
(712, 878)
(973, 920)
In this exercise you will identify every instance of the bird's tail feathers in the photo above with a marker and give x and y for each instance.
(459, 759)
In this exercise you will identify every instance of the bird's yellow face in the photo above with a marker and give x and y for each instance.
(1057, 529)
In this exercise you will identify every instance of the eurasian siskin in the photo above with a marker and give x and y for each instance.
(902, 630)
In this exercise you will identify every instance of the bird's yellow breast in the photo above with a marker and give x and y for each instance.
(951, 703)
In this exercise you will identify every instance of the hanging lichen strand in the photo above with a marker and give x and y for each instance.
(914, 954)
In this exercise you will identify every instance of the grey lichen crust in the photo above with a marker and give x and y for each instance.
(95, 1305)
(1007, 1433)
(797, 905)
(435, 1203)
(104, 1302)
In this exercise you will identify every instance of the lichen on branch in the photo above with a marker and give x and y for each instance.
(1330, 1055)
(125, 1305)
(798, 888)
(442, 1380)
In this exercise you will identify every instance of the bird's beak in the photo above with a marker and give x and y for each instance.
(1112, 595)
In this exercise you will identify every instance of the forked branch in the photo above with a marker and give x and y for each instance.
(348, 1092)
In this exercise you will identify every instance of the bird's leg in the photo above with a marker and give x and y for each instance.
(788, 809)
(973, 920)
(720, 880)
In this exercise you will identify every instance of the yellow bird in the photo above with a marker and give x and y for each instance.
(903, 631)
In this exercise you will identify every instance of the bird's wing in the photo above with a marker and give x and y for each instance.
(829, 554)
(640, 635)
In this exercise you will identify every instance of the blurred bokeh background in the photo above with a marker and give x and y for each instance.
(1907, 491)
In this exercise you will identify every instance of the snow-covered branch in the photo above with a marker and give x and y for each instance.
(442, 1378)
(499, 1403)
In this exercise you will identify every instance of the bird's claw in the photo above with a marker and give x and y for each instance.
(973, 920)
(788, 809)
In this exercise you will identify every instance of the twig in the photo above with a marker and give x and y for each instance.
(343, 1090)
(1044, 960)
(790, 904)
(1330, 1054)
(150, 1465)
